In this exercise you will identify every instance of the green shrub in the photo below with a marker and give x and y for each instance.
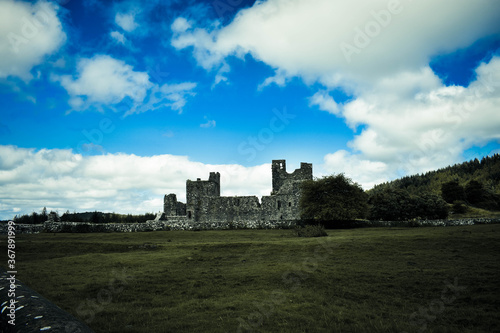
(332, 198)
(311, 231)
(398, 205)
(452, 191)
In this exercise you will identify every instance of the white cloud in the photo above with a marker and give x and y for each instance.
(176, 93)
(60, 179)
(90, 146)
(180, 25)
(415, 124)
(173, 95)
(325, 102)
(105, 81)
(304, 37)
(126, 21)
(378, 52)
(279, 79)
(118, 36)
(206, 50)
(221, 75)
(30, 32)
(363, 171)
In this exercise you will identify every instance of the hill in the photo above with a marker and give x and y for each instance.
(486, 172)
(473, 183)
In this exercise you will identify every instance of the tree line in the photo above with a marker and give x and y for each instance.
(92, 217)
(485, 171)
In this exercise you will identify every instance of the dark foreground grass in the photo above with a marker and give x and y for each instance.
(362, 280)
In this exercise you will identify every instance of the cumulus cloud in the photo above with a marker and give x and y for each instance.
(363, 171)
(126, 21)
(325, 102)
(118, 36)
(62, 180)
(378, 53)
(280, 79)
(305, 38)
(30, 32)
(103, 79)
(106, 81)
(180, 25)
(206, 49)
(413, 123)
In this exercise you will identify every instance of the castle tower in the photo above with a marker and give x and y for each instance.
(279, 174)
(215, 178)
(170, 205)
(197, 192)
(281, 177)
(306, 171)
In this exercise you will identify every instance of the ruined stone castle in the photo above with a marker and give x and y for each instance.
(204, 204)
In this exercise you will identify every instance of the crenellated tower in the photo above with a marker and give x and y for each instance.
(197, 190)
(281, 177)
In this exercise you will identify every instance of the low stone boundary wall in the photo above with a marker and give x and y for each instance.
(177, 224)
(32, 312)
(22, 228)
(431, 223)
(182, 223)
(84, 227)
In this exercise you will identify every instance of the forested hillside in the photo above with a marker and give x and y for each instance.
(467, 188)
(486, 172)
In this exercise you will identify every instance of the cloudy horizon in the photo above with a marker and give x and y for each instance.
(110, 105)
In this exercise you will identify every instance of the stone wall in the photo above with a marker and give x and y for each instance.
(84, 227)
(172, 207)
(183, 223)
(281, 207)
(231, 209)
(431, 223)
(177, 223)
(22, 228)
(33, 312)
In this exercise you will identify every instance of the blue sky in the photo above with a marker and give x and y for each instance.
(108, 105)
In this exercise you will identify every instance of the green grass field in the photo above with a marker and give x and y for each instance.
(441, 279)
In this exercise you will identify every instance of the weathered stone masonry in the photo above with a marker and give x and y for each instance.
(204, 204)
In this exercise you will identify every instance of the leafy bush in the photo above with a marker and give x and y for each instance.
(398, 205)
(332, 198)
(311, 231)
(391, 205)
(430, 206)
(452, 191)
(480, 197)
